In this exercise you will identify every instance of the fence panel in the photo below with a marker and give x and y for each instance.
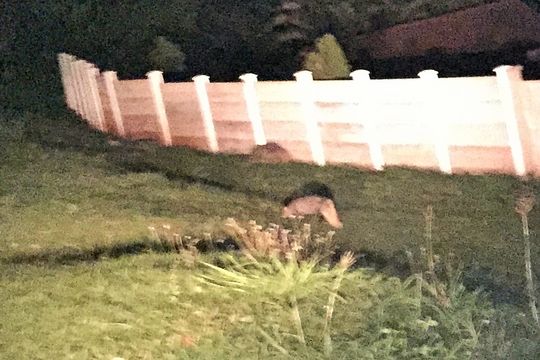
(231, 121)
(407, 117)
(106, 105)
(185, 120)
(138, 110)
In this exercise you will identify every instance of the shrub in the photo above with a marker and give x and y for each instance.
(328, 61)
(166, 56)
(364, 314)
(282, 285)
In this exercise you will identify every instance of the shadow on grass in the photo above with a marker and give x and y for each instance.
(145, 167)
(224, 172)
(71, 256)
(472, 276)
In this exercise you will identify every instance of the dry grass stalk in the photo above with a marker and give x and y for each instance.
(345, 262)
(431, 283)
(524, 204)
(185, 245)
(255, 241)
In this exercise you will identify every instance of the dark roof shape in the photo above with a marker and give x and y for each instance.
(481, 28)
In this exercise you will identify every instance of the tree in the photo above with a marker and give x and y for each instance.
(328, 61)
(288, 24)
(166, 56)
(233, 37)
(291, 34)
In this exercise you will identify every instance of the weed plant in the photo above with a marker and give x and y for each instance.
(421, 317)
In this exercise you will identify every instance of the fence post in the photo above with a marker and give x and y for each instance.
(438, 126)
(71, 80)
(156, 79)
(531, 110)
(361, 79)
(252, 106)
(80, 70)
(509, 81)
(110, 78)
(91, 110)
(76, 84)
(204, 105)
(93, 73)
(65, 73)
(304, 81)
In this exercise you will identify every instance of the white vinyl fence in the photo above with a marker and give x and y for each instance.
(475, 124)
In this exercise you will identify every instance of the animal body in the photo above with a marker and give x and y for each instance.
(270, 153)
(312, 205)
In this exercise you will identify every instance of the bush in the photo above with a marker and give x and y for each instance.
(166, 56)
(301, 307)
(328, 61)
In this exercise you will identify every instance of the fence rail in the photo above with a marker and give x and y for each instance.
(477, 124)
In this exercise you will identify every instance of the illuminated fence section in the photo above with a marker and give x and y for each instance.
(185, 119)
(454, 125)
(137, 109)
(231, 121)
(282, 117)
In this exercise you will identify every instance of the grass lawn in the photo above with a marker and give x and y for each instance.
(80, 276)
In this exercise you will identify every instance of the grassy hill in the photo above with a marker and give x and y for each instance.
(82, 277)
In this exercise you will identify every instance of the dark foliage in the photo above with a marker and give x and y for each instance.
(309, 189)
(456, 65)
(222, 39)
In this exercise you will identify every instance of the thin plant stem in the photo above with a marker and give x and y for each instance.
(344, 264)
(297, 320)
(419, 287)
(273, 342)
(429, 238)
(528, 269)
(327, 340)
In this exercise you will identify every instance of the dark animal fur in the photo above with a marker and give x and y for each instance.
(270, 153)
(313, 188)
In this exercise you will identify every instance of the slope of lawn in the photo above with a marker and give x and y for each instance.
(82, 278)
(127, 187)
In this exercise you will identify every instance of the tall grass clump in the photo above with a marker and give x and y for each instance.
(282, 268)
(460, 316)
(301, 306)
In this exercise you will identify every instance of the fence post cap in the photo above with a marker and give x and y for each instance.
(93, 69)
(428, 74)
(110, 74)
(89, 65)
(155, 75)
(201, 78)
(303, 75)
(360, 74)
(248, 77)
(513, 72)
(508, 68)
